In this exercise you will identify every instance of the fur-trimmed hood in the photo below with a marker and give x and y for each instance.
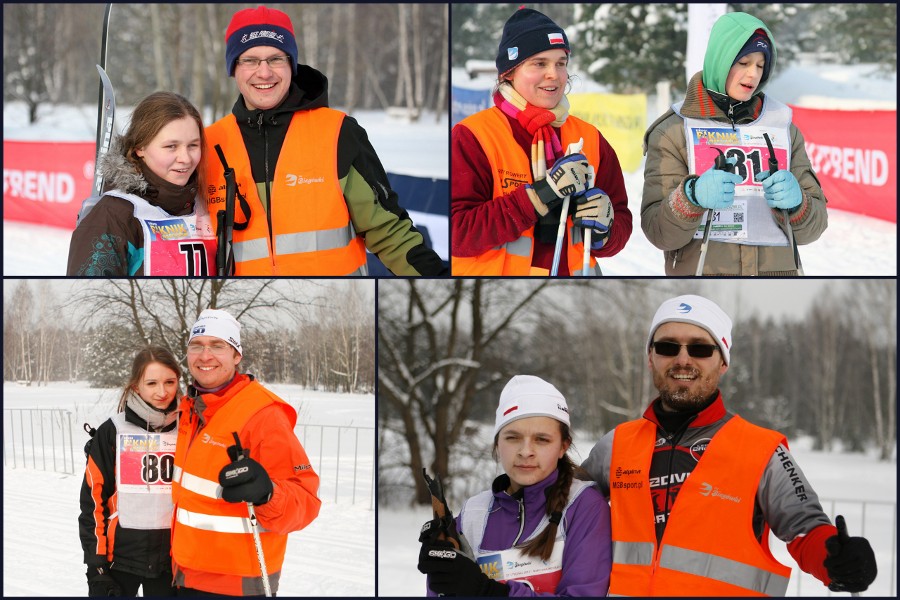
(119, 174)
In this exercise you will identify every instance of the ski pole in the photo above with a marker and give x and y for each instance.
(236, 453)
(773, 166)
(573, 148)
(723, 165)
(560, 234)
(586, 261)
(225, 222)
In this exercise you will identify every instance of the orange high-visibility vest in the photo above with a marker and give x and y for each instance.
(208, 533)
(311, 229)
(708, 548)
(511, 167)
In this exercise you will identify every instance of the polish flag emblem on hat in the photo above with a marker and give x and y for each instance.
(556, 38)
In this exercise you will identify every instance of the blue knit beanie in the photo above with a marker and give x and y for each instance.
(259, 26)
(525, 34)
(758, 42)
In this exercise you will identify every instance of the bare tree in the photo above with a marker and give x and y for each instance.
(435, 344)
(873, 311)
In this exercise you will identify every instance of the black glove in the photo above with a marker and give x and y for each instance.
(101, 583)
(244, 479)
(451, 573)
(851, 562)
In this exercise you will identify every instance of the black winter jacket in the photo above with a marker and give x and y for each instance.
(144, 552)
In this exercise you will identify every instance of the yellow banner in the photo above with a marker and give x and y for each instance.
(621, 118)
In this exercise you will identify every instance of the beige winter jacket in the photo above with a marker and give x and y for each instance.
(669, 219)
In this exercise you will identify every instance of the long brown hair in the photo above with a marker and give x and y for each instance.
(144, 358)
(152, 114)
(557, 496)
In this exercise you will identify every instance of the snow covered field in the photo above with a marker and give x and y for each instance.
(42, 553)
(843, 482)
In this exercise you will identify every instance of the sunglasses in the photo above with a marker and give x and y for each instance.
(693, 350)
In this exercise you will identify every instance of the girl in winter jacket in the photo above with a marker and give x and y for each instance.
(725, 112)
(514, 164)
(126, 497)
(538, 531)
(152, 218)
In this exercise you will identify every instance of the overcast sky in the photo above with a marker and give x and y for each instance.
(776, 297)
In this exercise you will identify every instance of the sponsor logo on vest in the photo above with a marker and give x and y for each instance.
(511, 179)
(707, 489)
(207, 439)
(620, 472)
(699, 447)
(788, 466)
(715, 137)
(491, 566)
(448, 554)
(167, 230)
(626, 485)
(292, 180)
(513, 564)
(303, 467)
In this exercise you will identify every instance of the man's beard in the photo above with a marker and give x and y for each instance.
(682, 399)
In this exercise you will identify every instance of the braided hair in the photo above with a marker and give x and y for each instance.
(557, 496)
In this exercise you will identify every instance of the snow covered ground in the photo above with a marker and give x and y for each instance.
(42, 553)
(843, 482)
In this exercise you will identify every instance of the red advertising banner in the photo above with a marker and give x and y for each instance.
(854, 154)
(45, 182)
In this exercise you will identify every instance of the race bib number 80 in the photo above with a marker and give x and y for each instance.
(145, 461)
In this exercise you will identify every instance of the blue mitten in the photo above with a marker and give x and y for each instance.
(781, 189)
(714, 189)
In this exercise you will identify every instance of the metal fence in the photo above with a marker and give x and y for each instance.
(343, 456)
(39, 436)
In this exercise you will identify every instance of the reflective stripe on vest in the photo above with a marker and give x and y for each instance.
(221, 524)
(512, 168)
(708, 545)
(311, 229)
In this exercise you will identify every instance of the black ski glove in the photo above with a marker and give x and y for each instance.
(245, 480)
(101, 583)
(851, 561)
(451, 573)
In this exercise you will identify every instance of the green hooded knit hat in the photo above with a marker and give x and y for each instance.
(726, 39)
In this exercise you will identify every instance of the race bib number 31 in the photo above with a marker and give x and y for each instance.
(145, 461)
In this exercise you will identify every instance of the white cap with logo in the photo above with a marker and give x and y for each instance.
(530, 396)
(219, 324)
(698, 311)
